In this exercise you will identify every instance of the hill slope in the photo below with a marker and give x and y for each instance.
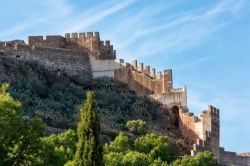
(56, 99)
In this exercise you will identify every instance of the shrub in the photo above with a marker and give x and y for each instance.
(137, 126)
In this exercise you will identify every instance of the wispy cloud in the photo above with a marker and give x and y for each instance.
(60, 17)
(49, 11)
(179, 31)
(94, 15)
(193, 63)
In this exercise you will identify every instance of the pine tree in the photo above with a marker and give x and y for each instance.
(89, 151)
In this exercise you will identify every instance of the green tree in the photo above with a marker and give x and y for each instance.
(89, 151)
(158, 162)
(113, 159)
(206, 159)
(156, 147)
(134, 158)
(28, 148)
(20, 142)
(10, 124)
(58, 149)
(200, 159)
(122, 143)
(149, 149)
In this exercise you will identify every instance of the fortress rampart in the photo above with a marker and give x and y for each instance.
(149, 83)
(97, 48)
(84, 56)
(75, 63)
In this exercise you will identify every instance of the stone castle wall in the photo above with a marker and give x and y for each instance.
(49, 41)
(143, 81)
(74, 63)
(204, 131)
(97, 48)
(204, 128)
(232, 158)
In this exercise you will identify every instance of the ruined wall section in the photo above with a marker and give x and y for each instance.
(74, 63)
(49, 41)
(99, 49)
(10, 45)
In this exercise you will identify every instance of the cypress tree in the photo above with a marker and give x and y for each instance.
(89, 151)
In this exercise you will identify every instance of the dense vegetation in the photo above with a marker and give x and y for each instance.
(39, 99)
(144, 150)
(56, 99)
(58, 149)
(22, 142)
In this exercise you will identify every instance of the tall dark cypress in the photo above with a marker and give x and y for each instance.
(89, 151)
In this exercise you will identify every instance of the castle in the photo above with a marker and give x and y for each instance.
(83, 56)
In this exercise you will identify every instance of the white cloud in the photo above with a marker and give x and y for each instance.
(193, 63)
(179, 31)
(49, 10)
(58, 16)
(93, 16)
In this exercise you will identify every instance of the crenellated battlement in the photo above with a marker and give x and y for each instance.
(99, 49)
(82, 36)
(91, 41)
(214, 111)
(140, 68)
(147, 72)
(143, 79)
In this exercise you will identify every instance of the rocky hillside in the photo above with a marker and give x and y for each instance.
(56, 99)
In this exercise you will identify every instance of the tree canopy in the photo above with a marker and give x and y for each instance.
(144, 150)
(20, 142)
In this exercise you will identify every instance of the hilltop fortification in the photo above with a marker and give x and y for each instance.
(84, 56)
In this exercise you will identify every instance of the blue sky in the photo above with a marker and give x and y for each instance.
(206, 43)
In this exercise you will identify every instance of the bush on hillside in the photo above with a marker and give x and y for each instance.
(137, 126)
